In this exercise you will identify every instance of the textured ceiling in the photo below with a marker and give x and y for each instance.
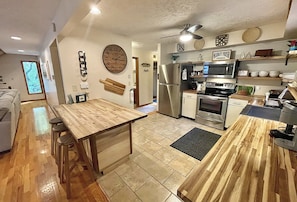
(29, 19)
(147, 21)
(144, 21)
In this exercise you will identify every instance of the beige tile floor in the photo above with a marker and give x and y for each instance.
(155, 170)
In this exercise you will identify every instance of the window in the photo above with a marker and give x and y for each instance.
(31, 73)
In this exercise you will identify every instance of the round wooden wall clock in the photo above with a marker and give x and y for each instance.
(114, 58)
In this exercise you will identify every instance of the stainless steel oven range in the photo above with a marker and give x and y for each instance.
(212, 105)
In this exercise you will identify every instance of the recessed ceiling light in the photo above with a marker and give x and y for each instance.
(95, 10)
(21, 51)
(16, 38)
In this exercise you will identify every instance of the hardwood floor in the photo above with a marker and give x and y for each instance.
(28, 172)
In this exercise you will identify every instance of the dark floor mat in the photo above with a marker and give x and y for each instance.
(262, 112)
(196, 143)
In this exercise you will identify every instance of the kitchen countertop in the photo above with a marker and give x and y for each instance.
(244, 165)
(253, 99)
(190, 91)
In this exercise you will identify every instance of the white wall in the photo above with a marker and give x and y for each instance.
(12, 74)
(145, 75)
(49, 81)
(93, 43)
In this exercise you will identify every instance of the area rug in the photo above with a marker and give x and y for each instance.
(196, 143)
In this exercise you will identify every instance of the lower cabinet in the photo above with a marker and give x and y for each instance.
(189, 105)
(235, 106)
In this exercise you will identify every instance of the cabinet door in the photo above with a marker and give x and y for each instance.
(189, 105)
(235, 106)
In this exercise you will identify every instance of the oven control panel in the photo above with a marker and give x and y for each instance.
(220, 85)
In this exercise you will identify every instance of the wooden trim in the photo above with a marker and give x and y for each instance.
(137, 81)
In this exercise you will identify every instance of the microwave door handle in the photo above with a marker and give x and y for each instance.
(227, 69)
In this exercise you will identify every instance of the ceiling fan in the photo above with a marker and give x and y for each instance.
(188, 32)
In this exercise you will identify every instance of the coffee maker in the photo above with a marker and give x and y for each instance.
(287, 138)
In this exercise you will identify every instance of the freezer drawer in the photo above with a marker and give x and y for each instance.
(170, 100)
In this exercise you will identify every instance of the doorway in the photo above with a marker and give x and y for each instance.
(32, 76)
(136, 81)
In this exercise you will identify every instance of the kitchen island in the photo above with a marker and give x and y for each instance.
(244, 165)
(102, 130)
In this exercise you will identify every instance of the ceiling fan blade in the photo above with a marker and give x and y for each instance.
(164, 37)
(195, 36)
(194, 28)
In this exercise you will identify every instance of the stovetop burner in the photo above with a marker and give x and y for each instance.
(219, 89)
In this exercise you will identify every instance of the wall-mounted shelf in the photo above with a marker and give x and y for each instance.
(263, 58)
(259, 78)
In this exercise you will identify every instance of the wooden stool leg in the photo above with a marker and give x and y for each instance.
(60, 163)
(67, 171)
(52, 141)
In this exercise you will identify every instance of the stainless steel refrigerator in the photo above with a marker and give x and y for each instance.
(173, 79)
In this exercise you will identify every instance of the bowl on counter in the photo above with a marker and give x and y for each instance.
(254, 74)
(263, 73)
(274, 73)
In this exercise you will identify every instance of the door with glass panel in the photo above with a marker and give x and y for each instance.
(32, 77)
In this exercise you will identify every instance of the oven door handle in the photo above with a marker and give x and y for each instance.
(211, 98)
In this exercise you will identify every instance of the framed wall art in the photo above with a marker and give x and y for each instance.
(221, 55)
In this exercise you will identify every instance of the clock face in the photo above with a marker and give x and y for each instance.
(114, 58)
(222, 40)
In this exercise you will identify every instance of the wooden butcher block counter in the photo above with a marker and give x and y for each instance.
(244, 165)
(102, 129)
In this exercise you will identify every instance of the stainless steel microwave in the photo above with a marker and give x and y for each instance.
(220, 69)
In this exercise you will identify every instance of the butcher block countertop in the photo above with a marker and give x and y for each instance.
(95, 116)
(244, 165)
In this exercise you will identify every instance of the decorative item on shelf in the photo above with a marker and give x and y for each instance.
(273, 73)
(254, 74)
(263, 73)
(264, 53)
(243, 73)
(113, 86)
(82, 63)
(199, 44)
(81, 98)
(180, 47)
(222, 40)
(251, 35)
(174, 57)
(293, 47)
(114, 58)
(221, 55)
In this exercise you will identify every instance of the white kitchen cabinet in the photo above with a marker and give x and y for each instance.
(189, 105)
(235, 106)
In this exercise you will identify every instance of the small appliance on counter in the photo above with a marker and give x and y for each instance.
(287, 137)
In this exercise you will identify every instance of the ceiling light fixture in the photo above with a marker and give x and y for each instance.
(94, 10)
(21, 51)
(185, 36)
(16, 38)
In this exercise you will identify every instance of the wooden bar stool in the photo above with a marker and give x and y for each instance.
(58, 129)
(53, 122)
(65, 143)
